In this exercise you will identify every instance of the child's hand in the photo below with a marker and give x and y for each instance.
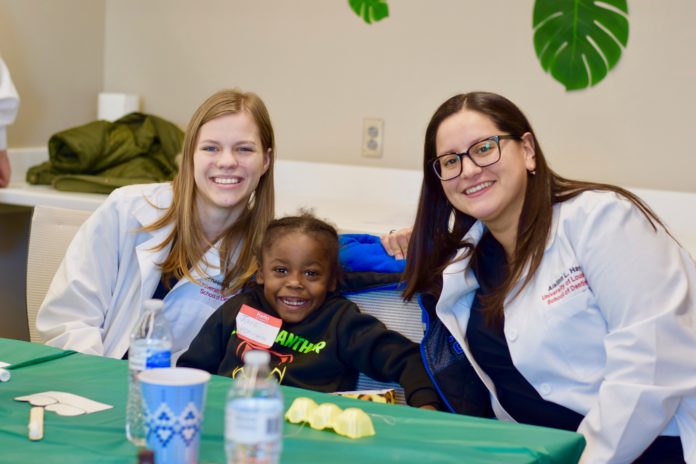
(429, 407)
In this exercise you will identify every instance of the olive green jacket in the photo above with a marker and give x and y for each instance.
(101, 155)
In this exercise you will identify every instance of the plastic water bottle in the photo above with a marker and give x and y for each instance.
(254, 414)
(150, 347)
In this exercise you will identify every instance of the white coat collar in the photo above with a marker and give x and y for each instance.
(149, 258)
(457, 282)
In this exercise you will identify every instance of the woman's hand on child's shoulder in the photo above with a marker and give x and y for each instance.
(396, 242)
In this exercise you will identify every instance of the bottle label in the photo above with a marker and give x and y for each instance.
(158, 358)
(257, 327)
(254, 420)
(148, 358)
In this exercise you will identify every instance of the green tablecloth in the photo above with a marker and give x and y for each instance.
(404, 434)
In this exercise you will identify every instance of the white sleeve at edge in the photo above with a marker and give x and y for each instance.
(645, 286)
(73, 313)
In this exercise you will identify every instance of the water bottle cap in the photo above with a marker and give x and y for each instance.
(257, 358)
(153, 305)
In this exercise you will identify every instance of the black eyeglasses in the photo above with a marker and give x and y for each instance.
(482, 154)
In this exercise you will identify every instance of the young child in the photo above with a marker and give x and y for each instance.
(318, 340)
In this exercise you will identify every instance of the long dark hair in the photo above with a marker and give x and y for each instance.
(434, 242)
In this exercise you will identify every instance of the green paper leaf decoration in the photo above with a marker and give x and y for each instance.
(370, 10)
(579, 41)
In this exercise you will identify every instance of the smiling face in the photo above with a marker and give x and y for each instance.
(228, 162)
(493, 194)
(296, 272)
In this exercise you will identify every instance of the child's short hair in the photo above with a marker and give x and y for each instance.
(308, 224)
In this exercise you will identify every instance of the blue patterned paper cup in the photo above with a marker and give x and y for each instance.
(173, 403)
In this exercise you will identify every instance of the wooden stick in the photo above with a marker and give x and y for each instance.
(36, 423)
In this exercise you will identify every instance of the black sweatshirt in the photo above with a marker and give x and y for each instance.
(325, 352)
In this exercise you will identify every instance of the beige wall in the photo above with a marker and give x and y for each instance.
(55, 52)
(321, 70)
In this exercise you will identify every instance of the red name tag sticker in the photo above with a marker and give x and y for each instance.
(257, 327)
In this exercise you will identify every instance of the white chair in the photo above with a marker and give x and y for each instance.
(52, 229)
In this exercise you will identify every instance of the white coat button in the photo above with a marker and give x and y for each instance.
(544, 389)
(512, 335)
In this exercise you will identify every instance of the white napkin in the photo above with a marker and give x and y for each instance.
(64, 404)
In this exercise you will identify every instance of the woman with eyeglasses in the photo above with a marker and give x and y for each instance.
(569, 301)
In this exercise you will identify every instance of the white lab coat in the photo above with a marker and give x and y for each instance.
(9, 102)
(606, 327)
(111, 268)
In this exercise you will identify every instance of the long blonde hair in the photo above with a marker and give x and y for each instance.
(189, 243)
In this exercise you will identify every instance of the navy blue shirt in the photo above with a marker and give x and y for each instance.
(163, 287)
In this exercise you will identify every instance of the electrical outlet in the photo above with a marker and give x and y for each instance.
(373, 137)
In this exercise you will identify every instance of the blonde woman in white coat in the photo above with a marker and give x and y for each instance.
(189, 242)
(9, 103)
(570, 300)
